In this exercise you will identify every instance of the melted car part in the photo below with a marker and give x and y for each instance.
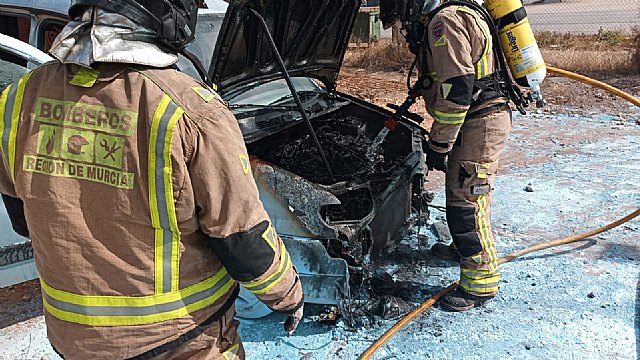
(345, 143)
(374, 203)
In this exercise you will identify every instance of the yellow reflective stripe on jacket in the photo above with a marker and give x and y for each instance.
(262, 286)
(483, 64)
(3, 108)
(447, 118)
(10, 107)
(129, 310)
(163, 214)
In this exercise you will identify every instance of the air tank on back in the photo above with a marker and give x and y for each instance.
(519, 45)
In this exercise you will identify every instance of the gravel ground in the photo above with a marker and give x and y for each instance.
(579, 301)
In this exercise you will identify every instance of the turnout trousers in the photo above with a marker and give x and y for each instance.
(220, 341)
(472, 167)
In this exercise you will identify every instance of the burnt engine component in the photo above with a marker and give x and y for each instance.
(345, 143)
(374, 187)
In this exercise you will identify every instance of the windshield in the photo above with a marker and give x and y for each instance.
(271, 93)
(207, 29)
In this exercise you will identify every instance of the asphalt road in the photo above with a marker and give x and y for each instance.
(581, 16)
(585, 16)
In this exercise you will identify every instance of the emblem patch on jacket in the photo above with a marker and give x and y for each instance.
(438, 29)
(442, 41)
(82, 141)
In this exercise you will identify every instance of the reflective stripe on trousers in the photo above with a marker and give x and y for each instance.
(470, 177)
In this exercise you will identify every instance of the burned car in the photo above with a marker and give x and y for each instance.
(339, 199)
(322, 177)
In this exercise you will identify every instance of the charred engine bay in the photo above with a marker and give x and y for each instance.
(360, 173)
(345, 143)
(366, 181)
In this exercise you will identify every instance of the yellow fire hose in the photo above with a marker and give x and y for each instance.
(431, 301)
(632, 99)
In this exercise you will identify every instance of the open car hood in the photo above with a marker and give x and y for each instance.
(311, 36)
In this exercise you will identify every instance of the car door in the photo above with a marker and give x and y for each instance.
(16, 255)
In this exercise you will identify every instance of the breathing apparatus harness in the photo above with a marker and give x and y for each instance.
(497, 85)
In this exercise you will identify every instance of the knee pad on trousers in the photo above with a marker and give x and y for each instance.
(462, 226)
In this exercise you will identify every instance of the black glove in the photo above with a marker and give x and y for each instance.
(436, 160)
(15, 209)
(291, 324)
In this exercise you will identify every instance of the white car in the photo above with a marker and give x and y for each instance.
(16, 255)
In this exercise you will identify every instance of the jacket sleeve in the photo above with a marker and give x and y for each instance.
(6, 182)
(231, 213)
(12, 204)
(448, 41)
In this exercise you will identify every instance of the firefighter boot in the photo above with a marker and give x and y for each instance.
(445, 252)
(460, 300)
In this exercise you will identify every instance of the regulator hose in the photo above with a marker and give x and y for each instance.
(431, 301)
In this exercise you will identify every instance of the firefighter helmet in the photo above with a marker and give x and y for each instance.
(404, 11)
(174, 21)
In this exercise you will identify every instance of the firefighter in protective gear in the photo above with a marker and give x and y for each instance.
(472, 121)
(138, 193)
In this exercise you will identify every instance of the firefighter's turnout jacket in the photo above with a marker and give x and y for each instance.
(141, 207)
(472, 121)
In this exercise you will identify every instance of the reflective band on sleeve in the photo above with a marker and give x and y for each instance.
(262, 286)
(11, 105)
(448, 118)
(163, 215)
(125, 310)
(3, 120)
(483, 64)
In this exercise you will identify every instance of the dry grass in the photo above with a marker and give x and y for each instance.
(635, 61)
(604, 40)
(591, 62)
(608, 53)
(381, 56)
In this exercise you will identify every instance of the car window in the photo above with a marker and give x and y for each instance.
(50, 31)
(18, 27)
(271, 92)
(9, 70)
(207, 29)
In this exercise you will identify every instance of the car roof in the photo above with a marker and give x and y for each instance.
(24, 50)
(58, 7)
